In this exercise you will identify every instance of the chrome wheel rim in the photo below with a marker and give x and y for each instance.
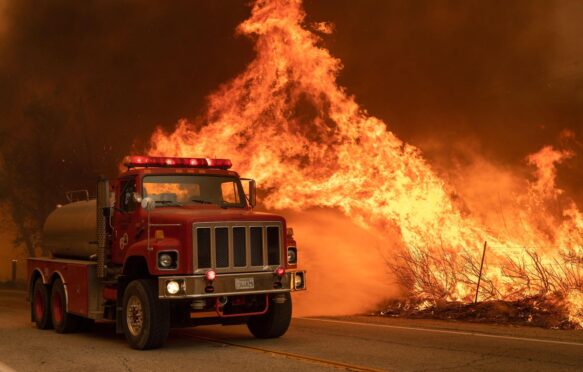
(135, 315)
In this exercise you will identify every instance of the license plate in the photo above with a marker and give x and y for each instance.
(244, 283)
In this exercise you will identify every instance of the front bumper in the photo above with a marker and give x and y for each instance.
(196, 286)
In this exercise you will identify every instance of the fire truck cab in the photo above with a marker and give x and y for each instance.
(172, 242)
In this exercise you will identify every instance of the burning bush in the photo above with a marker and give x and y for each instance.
(550, 311)
(539, 292)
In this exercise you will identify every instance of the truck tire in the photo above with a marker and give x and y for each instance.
(145, 319)
(40, 306)
(62, 320)
(275, 322)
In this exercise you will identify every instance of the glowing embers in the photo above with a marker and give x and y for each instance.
(173, 162)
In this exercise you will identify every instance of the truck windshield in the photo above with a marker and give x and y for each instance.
(194, 189)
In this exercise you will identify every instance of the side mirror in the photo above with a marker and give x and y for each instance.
(137, 197)
(148, 203)
(252, 193)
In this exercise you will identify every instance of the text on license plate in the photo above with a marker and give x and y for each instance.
(244, 283)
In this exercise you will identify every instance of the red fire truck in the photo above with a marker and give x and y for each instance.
(172, 242)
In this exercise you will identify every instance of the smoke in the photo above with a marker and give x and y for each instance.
(501, 76)
(113, 70)
(347, 272)
(3, 17)
(8, 251)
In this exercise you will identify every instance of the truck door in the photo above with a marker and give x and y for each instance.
(124, 219)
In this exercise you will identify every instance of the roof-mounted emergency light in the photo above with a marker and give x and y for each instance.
(134, 161)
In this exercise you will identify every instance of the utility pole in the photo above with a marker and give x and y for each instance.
(480, 275)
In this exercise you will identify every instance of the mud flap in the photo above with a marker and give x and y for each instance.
(118, 315)
(122, 283)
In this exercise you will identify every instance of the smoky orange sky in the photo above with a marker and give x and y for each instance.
(503, 77)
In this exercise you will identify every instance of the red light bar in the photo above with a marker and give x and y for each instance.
(171, 162)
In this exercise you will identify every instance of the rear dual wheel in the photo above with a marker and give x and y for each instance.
(63, 321)
(40, 306)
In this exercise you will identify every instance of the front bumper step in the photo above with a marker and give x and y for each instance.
(235, 284)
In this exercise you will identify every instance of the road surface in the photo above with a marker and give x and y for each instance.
(349, 343)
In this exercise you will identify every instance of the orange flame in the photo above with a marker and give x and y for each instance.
(286, 122)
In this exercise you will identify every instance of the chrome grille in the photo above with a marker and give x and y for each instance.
(237, 246)
(203, 240)
(256, 246)
(222, 246)
(272, 245)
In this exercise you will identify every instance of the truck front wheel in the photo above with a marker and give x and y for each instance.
(40, 307)
(275, 322)
(145, 319)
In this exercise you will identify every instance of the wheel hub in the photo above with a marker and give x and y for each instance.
(134, 315)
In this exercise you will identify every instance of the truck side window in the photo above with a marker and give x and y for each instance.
(127, 202)
(230, 192)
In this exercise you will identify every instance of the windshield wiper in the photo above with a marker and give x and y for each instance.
(169, 203)
(220, 204)
(201, 201)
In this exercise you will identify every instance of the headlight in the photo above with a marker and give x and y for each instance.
(292, 255)
(172, 287)
(167, 260)
(299, 280)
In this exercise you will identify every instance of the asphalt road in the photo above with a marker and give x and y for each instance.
(351, 343)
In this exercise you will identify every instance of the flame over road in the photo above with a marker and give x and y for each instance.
(286, 122)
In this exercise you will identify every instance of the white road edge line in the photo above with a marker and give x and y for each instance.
(462, 333)
(5, 368)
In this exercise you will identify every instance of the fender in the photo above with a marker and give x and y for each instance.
(140, 249)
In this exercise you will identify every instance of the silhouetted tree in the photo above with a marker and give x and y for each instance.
(37, 167)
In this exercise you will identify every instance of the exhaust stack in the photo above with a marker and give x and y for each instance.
(103, 213)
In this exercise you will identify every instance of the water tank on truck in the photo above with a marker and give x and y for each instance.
(70, 231)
